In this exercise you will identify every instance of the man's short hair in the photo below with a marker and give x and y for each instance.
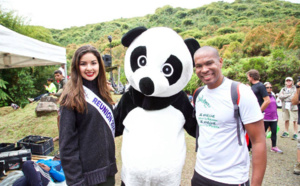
(57, 72)
(254, 74)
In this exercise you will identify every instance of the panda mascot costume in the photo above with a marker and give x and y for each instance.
(154, 112)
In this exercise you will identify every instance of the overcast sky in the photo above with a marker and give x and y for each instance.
(62, 14)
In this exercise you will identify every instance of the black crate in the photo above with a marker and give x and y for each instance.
(39, 145)
(6, 147)
(13, 160)
(2, 172)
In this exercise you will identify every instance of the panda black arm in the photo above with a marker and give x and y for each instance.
(124, 106)
(183, 104)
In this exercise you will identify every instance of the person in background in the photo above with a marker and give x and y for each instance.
(295, 101)
(61, 83)
(62, 69)
(41, 173)
(50, 88)
(87, 128)
(220, 158)
(271, 118)
(289, 111)
(59, 77)
(260, 92)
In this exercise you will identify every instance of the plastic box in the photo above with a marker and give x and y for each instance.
(13, 160)
(39, 145)
(6, 147)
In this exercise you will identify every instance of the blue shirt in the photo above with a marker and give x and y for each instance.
(56, 172)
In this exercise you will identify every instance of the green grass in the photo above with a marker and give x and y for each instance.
(17, 124)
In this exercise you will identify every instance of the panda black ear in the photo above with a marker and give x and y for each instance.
(131, 35)
(193, 46)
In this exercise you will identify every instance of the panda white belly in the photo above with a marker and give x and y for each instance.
(153, 149)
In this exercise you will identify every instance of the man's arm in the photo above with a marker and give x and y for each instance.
(265, 95)
(256, 134)
(283, 95)
(295, 99)
(265, 103)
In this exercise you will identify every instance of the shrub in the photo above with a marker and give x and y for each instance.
(181, 14)
(219, 41)
(209, 11)
(124, 26)
(192, 33)
(249, 13)
(187, 22)
(225, 30)
(214, 19)
(258, 63)
(177, 29)
(98, 27)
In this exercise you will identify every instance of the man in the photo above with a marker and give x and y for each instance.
(259, 89)
(260, 92)
(62, 69)
(220, 159)
(295, 101)
(289, 111)
(62, 81)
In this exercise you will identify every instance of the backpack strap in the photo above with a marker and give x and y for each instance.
(195, 95)
(235, 97)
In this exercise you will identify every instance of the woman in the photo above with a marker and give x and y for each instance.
(271, 118)
(86, 134)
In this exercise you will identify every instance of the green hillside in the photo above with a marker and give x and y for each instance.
(260, 34)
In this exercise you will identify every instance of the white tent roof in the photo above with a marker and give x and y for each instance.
(17, 50)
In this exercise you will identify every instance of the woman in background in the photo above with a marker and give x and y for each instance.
(86, 134)
(271, 118)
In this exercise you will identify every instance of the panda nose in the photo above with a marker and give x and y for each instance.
(146, 86)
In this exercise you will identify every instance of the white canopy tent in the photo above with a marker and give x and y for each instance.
(17, 50)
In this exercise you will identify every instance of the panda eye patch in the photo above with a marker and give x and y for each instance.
(138, 58)
(172, 69)
(167, 69)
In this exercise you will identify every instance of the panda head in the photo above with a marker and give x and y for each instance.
(158, 62)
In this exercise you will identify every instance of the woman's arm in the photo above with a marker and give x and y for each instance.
(68, 146)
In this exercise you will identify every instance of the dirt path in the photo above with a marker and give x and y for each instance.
(279, 166)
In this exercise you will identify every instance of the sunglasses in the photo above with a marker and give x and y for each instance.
(268, 87)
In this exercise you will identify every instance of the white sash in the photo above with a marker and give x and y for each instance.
(102, 108)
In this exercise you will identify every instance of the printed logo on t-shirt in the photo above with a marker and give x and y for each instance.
(204, 119)
(207, 120)
(202, 100)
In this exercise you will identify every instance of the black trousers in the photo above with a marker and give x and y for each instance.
(273, 126)
(199, 180)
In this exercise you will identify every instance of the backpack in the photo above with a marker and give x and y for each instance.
(235, 97)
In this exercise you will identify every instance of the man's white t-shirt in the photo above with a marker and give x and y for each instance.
(62, 71)
(219, 156)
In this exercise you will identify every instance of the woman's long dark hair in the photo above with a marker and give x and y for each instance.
(73, 94)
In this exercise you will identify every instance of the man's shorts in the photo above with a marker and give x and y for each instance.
(198, 180)
(291, 115)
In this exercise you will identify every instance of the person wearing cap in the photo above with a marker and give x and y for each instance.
(289, 111)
